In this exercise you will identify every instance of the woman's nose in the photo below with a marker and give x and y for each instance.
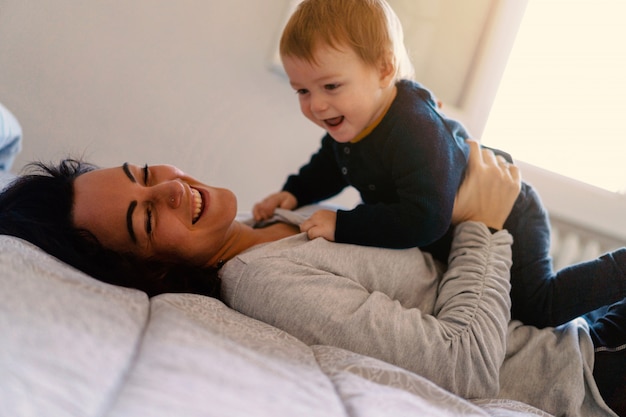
(169, 192)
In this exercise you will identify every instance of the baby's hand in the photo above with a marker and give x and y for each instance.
(320, 224)
(265, 209)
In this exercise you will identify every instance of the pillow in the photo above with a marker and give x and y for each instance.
(10, 138)
(5, 178)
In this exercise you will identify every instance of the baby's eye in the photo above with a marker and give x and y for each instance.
(301, 91)
(331, 86)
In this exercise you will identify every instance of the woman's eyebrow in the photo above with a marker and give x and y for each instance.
(131, 206)
(128, 173)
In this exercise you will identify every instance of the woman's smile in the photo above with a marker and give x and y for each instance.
(197, 205)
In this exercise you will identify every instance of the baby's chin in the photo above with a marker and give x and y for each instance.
(341, 138)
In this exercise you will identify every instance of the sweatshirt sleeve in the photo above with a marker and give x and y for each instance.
(472, 310)
(460, 346)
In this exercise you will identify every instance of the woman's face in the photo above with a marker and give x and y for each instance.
(154, 211)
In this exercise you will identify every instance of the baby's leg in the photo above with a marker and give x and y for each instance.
(608, 333)
(609, 372)
(542, 297)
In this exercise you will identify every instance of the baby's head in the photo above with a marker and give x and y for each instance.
(369, 27)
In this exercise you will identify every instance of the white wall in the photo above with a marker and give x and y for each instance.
(184, 82)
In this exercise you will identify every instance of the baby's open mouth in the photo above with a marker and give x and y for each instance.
(198, 205)
(335, 121)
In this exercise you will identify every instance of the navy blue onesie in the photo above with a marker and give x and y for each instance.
(408, 170)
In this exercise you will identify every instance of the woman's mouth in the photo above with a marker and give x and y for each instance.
(333, 122)
(198, 205)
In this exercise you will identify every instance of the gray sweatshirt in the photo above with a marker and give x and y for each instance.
(400, 306)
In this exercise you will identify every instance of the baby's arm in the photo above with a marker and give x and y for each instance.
(264, 209)
(315, 181)
(320, 224)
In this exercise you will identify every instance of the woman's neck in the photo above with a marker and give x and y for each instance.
(242, 237)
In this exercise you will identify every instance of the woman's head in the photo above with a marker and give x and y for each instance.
(71, 212)
(37, 207)
(154, 212)
(369, 27)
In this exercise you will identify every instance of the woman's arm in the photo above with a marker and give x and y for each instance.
(354, 298)
(351, 296)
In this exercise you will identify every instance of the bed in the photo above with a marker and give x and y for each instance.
(74, 346)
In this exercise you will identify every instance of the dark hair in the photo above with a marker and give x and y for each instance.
(37, 207)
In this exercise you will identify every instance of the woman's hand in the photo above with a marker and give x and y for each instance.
(489, 189)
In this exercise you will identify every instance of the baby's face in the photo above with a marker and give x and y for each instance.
(339, 92)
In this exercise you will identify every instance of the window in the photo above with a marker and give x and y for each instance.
(561, 104)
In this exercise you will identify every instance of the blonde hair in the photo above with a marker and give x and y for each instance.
(370, 27)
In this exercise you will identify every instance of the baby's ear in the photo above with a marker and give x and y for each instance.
(387, 68)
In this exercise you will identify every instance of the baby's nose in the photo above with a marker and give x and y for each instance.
(318, 104)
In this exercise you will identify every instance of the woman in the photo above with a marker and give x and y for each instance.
(399, 306)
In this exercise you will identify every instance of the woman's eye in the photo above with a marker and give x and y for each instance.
(148, 222)
(146, 172)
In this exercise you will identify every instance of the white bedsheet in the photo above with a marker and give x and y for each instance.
(72, 346)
